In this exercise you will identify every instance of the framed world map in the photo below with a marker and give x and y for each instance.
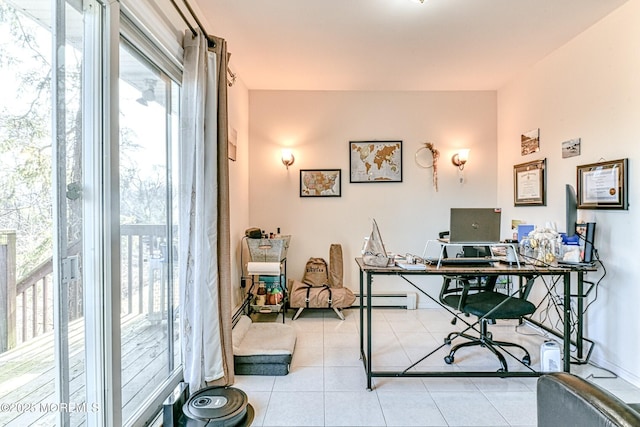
(320, 182)
(375, 161)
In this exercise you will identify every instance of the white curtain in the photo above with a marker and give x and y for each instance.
(200, 323)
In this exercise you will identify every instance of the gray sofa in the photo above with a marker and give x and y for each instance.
(567, 400)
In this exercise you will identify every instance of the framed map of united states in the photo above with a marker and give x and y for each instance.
(320, 182)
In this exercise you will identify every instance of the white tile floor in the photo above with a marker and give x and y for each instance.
(327, 383)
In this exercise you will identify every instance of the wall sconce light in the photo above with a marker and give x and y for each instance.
(460, 158)
(287, 158)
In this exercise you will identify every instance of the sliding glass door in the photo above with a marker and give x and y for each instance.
(88, 221)
(42, 357)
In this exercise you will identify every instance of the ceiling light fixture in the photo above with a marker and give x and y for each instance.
(149, 94)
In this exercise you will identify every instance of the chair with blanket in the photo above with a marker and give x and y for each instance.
(321, 285)
(478, 297)
(564, 399)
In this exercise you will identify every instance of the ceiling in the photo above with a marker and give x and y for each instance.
(393, 44)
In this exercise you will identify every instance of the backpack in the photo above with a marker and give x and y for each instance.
(316, 272)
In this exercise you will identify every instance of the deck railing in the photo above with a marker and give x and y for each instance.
(7, 290)
(26, 305)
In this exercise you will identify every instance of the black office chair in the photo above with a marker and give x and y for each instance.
(478, 297)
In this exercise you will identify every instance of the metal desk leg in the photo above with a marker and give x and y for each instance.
(567, 322)
(369, 332)
(579, 331)
(361, 297)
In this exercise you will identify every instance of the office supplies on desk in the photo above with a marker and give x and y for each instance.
(524, 230)
(374, 252)
(579, 249)
(411, 266)
(474, 225)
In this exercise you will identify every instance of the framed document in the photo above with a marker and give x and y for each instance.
(320, 182)
(375, 161)
(530, 183)
(603, 185)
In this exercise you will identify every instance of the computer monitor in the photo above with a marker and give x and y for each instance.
(474, 225)
(571, 210)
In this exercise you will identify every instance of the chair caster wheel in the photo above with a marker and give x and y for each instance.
(502, 370)
(448, 360)
(454, 320)
(447, 341)
(526, 360)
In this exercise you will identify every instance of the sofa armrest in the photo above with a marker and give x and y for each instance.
(564, 399)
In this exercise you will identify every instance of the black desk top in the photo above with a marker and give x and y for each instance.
(498, 268)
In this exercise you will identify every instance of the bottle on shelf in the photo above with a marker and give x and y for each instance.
(261, 294)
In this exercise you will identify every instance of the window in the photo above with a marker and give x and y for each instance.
(148, 118)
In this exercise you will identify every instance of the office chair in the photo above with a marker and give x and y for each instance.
(478, 297)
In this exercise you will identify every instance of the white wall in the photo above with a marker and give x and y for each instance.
(588, 89)
(318, 126)
(238, 108)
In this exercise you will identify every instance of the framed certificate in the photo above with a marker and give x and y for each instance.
(603, 185)
(529, 183)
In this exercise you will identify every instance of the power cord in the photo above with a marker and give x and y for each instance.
(612, 375)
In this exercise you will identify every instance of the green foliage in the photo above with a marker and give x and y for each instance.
(25, 141)
(26, 152)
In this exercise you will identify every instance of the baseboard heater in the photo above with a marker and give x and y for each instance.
(407, 300)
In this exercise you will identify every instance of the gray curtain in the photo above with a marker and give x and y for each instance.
(205, 310)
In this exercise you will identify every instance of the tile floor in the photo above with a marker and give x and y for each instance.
(327, 385)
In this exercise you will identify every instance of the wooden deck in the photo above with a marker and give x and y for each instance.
(27, 373)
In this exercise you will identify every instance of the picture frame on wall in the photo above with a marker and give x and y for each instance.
(603, 185)
(571, 148)
(320, 182)
(375, 161)
(232, 144)
(530, 142)
(530, 183)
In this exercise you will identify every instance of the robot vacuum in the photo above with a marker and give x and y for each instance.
(218, 407)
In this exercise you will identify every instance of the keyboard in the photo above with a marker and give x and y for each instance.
(576, 263)
(462, 261)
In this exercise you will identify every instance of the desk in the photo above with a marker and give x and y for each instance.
(367, 273)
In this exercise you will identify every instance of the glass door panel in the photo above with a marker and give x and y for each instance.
(41, 325)
(147, 242)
